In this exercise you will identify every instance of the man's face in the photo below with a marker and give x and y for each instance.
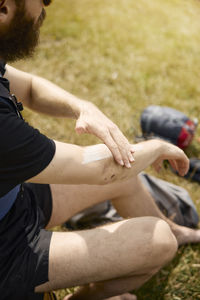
(21, 37)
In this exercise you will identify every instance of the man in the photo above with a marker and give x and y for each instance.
(45, 182)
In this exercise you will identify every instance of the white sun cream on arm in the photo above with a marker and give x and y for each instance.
(138, 147)
(95, 153)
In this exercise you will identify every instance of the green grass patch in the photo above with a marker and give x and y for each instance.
(179, 280)
(124, 55)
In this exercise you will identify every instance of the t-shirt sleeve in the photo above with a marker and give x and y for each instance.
(24, 151)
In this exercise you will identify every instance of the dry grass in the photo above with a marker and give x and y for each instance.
(125, 55)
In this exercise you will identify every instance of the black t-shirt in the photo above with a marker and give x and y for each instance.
(24, 151)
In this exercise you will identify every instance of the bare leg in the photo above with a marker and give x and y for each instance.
(92, 291)
(139, 202)
(118, 257)
(130, 198)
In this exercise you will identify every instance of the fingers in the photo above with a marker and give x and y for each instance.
(80, 127)
(110, 134)
(183, 167)
(114, 149)
(173, 164)
(176, 157)
(122, 144)
(180, 165)
(157, 165)
(119, 153)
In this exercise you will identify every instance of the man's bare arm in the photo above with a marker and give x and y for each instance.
(95, 165)
(43, 96)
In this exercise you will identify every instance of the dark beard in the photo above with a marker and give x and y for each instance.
(21, 38)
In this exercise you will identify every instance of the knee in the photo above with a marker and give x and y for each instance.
(164, 244)
(154, 245)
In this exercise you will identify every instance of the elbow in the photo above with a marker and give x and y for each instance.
(112, 172)
(100, 168)
(108, 178)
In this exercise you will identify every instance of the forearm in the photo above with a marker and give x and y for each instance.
(95, 164)
(50, 99)
(43, 96)
(145, 154)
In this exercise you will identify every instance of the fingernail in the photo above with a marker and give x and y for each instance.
(121, 163)
(132, 159)
(128, 165)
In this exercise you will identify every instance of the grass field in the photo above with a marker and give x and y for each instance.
(124, 55)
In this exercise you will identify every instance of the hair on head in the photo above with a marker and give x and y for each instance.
(21, 2)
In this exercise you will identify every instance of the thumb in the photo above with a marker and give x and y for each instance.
(80, 126)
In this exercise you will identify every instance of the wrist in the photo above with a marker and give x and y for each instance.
(159, 147)
(75, 105)
(162, 148)
(84, 107)
(78, 108)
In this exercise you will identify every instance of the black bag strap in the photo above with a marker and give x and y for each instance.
(7, 98)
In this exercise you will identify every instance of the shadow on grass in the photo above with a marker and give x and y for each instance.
(157, 287)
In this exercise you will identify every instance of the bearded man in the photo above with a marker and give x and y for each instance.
(45, 182)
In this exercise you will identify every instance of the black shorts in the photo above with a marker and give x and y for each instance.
(24, 243)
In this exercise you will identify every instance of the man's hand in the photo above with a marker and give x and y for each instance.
(71, 166)
(92, 120)
(43, 96)
(176, 157)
